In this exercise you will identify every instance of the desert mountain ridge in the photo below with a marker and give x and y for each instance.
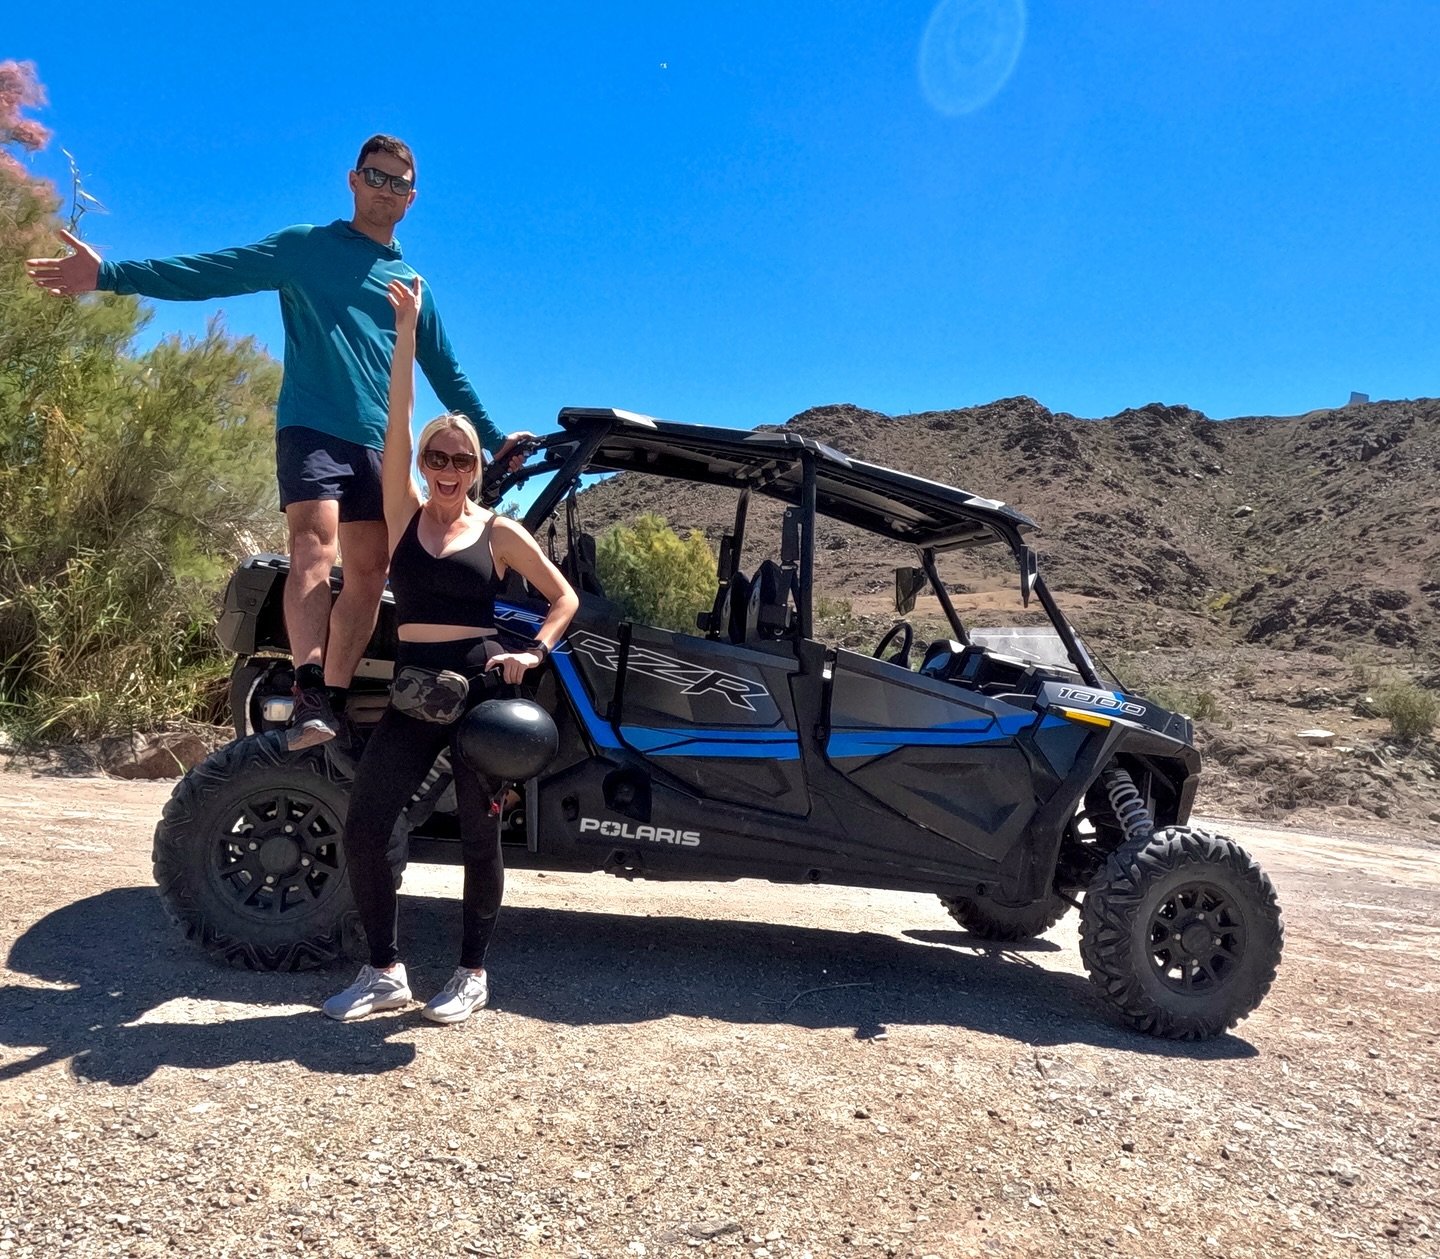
(1302, 532)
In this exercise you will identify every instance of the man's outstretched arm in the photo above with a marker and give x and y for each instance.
(187, 278)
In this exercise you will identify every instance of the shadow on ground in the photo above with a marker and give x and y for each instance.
(119, 960)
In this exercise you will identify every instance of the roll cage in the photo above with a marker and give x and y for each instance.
(812, 479)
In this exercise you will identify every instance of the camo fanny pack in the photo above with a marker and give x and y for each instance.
(430, 694)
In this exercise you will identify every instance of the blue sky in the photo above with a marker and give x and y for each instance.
(728, 213)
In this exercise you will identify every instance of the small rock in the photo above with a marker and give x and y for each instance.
(711, 1229)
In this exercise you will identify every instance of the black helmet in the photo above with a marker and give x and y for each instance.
(508, 739)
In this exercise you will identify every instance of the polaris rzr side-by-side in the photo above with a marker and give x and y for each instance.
(1003, 774)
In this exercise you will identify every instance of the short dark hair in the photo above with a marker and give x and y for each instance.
(387, 144)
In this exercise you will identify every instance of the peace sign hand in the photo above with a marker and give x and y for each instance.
(405, 298)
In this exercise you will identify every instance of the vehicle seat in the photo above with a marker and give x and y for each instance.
(737, 604)
(767, 617)
(942, 658)
(726, 618)
(581, 567)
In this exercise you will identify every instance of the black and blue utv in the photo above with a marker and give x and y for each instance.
(998, 771)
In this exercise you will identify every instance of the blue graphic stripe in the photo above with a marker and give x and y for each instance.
(850, 743)
(768, 745)
(648, 739)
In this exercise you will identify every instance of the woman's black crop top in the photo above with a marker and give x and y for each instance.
(457, 589)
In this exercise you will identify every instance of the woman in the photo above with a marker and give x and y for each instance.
(448, 558)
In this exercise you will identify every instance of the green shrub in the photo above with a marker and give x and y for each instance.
(129, 485)
(834, 617)
(1411, 710)
(657, 577)
(1201, 705)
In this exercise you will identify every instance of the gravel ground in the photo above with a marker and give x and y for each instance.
(729, 1069)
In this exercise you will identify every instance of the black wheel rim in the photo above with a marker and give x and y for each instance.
(1196, 939)
(278, 855)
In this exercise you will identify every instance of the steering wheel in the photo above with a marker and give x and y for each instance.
(907, 637)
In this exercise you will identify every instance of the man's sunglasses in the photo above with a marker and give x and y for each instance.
(439, 460)
(378, 178)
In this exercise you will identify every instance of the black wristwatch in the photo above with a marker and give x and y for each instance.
(540, 646)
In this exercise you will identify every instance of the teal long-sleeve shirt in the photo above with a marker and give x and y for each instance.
(339, 325)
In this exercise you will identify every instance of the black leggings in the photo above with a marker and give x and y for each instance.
(398, 756)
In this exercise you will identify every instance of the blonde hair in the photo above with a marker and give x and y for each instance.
(450, 420)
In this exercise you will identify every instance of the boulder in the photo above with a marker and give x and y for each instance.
(163, 754)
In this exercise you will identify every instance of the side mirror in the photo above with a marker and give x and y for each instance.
(1029, 571)
(909, 582)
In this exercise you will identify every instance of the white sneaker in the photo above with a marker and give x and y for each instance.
(372, 990)
(467, 991)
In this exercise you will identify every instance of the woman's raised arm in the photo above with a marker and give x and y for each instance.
(396, 483)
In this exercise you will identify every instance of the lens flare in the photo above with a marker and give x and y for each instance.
(968, 51)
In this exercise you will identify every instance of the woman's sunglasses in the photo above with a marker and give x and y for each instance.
(439, 460)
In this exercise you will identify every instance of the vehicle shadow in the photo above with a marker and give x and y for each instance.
(114, 961)
(120, 962)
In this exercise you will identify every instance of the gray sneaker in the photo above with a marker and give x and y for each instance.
(466, 992)
(372, 990)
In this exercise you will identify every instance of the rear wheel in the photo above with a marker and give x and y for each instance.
(249, 858)
(982, 917)
(1182, 933)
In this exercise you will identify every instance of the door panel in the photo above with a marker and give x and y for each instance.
(715, 716)
(934, 753)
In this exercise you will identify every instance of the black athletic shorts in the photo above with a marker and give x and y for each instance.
(313, 465)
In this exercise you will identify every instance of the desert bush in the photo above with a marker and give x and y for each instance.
(657, 577)
(834, 617)
(129, 484)
(1411, 710)
(1201, 705)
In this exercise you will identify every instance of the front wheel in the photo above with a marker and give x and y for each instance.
(249, 857)
(1181, 933)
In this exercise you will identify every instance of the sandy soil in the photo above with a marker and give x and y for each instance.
(734, 1069)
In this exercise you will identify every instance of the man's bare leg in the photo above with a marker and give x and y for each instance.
(313, 530)
(314, 527)
(365, 555)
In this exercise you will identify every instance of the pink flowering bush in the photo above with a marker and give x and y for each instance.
(19, 90)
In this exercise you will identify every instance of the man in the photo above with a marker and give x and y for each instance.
(330, 420)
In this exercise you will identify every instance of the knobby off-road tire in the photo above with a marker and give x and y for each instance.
(1182, 933)
(249, 860)
(982, 917)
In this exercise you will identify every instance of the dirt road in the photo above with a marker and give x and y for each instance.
(732, 1069)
